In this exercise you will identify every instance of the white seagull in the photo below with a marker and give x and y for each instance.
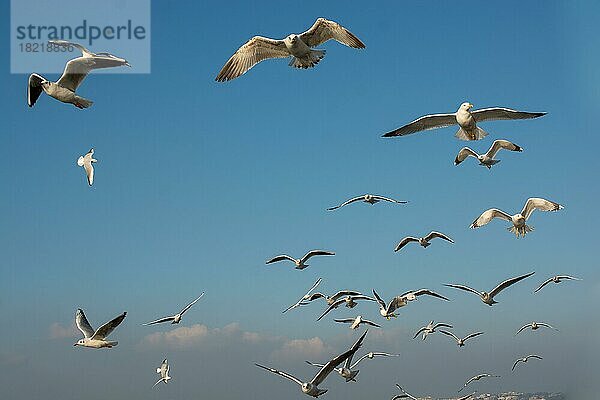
(387, 311)
(461, 341)
(86, 162)
(488, 298)
(368, 198)
(465, 118)
(356, 322)
(403, 395)
(175, 319)
(303, 300)
(96, 339)
(556, 279)
(347, 370)
(525, 359)
(349, 301)
(534, 326)
(311, 388)
(478, 377)
(486, 159)
(431, 328)
(518, 220)
(163, 371)
(423, 241)
(333, 298)
(301, 262)
(296, 47)
(75, 72)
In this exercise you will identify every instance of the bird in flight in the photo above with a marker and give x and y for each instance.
(367, 198)
(460, 341)
(301, 262)
(486, 159)
(403, 395)
(347, 370)
(96, 339)
(424, 241)
(86, 162)
(175, 319)
(525, 359)
(556, 279)
(387, 311)
(476, 378)
(356, 322)
(304, 299)
(519, 226)
(431, 328)
(534, 326)
(488, 298)
(163, 371)
(465, 118)
(299, 48)
(349, 301)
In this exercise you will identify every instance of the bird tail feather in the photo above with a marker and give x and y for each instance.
(309, 61)
(476, 134)
(522, 231)
(80, 102)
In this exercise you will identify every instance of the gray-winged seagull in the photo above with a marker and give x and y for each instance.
(488, 298)
(96, 339)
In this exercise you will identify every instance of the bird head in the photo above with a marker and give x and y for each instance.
(78, 343)
(466, 106)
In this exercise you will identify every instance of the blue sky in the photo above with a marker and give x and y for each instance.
(198, 183)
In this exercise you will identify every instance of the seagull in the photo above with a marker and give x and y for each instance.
(519, 227)
(332, 299)
(355, 322)
(535, 326)
(350, 302)
(175, 319)
(296, 47)
(431, 328)
(423, 241)
(75, 72)
(300, 262)
(311, 388)
(556, 279)
(347, 370)
(303, 300)
(487, 159)
(163, 371)
(465, 118)
(488, 298)
(403, 395)
(96, 339)
(86, 162)
(387, 311)
(525, 359)
(368, 198)
(476, 378)
(461, 342)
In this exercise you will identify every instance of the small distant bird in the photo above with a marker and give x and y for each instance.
(96, 339)
(423, 241)
(387, 311)
(534, 327)
(403, 395)
(476, 378)
(75, 72)
(347, 370)
(296, 47)
(163, 371)
(518, 220)
(465, 118)
(356, 322)
(311, 388)
(332, 299)
(431, 328)
(488, 298)
(349, 301)
(556, 279)
(368, 198)
(86, 162)
(301, 262)
(304, 299)
(175, 319)
(487, 159)
(461, 341)
(525, 359)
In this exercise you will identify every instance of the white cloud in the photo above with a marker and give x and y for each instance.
(312, 348)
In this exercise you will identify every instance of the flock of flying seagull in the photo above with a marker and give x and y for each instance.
(301, 52)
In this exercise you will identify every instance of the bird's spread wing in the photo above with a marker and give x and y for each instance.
(160, 321)
(362, 297)
(106, 329)
(83, 325)
(536, 203)
(427, 292)
(315, 364)
(547, 281)
(442, 325)
(34, 89)
(547, 325)
(330, 366)
(377, 197)
(498, 113)
(345, 293)
(419, 332)
(366, 321)
(191, 304)
(463, 154)
(89, 172)
(345, 321)
(281, 373)
(77, 69)
(315, 296)
(502, 144)
(462, 287)
(164, 367)
(434, 234)
(358, 198)
(452, 335)
(522, 329)
(515, 364)
(251, 53)
(534, 356)
(158, 381)
(379, 299)
(331, 307)
(84, 52)
(472, 335)
(306, 297)
(324, 30)
(424, 123)
(280, 258)
(317, 253)
(488, 215)
(509, 282)
(405, 241)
